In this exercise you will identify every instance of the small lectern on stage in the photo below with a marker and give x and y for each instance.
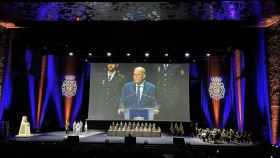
(139, 114)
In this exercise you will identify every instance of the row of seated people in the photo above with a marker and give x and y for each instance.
(216, 135)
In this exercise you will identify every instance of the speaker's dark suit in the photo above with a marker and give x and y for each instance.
(129, 98)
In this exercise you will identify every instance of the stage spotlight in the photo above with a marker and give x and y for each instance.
(89, 54)
(166, 54)
(194, 60)
(86, 60)
(147, 55)
(208, 54)
(187, 55)
(109, 54)
(70, 53)
(128, 54)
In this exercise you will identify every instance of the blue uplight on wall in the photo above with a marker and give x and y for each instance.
(57, 97)
(229, 100)
(205, 104)
(52, 89)
(31, 86)
(7, 86)
(79, 97)
(6, 96)
(262, 86)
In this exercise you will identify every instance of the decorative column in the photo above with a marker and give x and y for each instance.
(69, 86)
(216, 87)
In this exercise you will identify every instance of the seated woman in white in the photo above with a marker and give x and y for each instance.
(24, 129)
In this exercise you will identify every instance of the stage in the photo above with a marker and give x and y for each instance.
(96, 143)
(96, 136)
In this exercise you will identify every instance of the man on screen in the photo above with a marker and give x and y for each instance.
(138, 99)
(171, 90)
(108, 89)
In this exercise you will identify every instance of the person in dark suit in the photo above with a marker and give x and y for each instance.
(171, 91)
(138, 94)
(108, 90)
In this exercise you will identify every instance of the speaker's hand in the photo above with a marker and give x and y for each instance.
(156, 111)
(120, 110)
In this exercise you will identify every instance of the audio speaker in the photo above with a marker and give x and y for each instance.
(178, 141)
(130, 140)
(73, 139)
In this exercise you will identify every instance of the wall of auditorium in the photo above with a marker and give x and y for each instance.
(3, 45)
(273, 47)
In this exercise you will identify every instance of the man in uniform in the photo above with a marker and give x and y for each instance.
(108, 90)
(171, 84)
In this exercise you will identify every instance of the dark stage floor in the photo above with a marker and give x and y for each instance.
(98, 144)
(94, 136)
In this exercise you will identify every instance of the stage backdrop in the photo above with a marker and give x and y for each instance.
(166, 89)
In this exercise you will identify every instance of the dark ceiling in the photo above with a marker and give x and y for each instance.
(138, 11)
(137, 27)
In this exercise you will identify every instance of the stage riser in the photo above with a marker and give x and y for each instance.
(164, 125)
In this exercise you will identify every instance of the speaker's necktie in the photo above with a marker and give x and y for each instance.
(109, 77)
(138, 93)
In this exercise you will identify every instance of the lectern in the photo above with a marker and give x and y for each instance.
(139, 114)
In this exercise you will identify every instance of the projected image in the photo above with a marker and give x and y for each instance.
(139, 91)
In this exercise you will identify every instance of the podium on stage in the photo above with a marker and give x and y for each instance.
(139, 113)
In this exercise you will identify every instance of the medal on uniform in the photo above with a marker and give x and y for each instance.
(182, 72)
